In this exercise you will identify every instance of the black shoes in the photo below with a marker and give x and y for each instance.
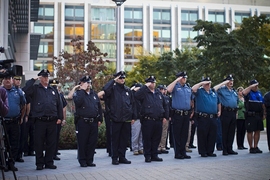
(182, 157)
(19, 160)
(56, 158)
(242, 148)
(163, 152)
(58, 153)
(225, 153)
(233, 153)
(11, 167)
(115, 162)
(39, 167)
(124, 161)
(192, 146)
(156, 159)
(255, 150)
(204, 155)
(212, 155)
(91, 164)
(147, 160)
(83, 165)
(50, 166)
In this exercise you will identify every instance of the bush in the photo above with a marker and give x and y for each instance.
(68, 139)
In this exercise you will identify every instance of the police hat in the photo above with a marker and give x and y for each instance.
(229, 77)
(53, 82)
(44, 73)
(122, 74)
(254, 81)
(161, 86)
(17, 77)
(151, 79)
(182, 74)
(206, 79)
(138, 84)
(86, 79)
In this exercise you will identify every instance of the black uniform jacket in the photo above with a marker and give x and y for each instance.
(153, 104)
(44, 101)
(87, 105)
(121, 104)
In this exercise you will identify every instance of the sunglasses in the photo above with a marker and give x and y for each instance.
(122, 78)
(17, 79)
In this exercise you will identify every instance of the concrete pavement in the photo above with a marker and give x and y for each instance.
(238, 167)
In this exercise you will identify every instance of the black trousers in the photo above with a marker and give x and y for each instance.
(13, 134)
(58, 130)
(151, 133)
(180, 133)
(21, 140)
(87, 136)
(29, 136)
(108, 133)
(193, 131)
(206, 134)
(120, 132)
(45, 133)
(240, 133)
(228, 125)
(268, 130)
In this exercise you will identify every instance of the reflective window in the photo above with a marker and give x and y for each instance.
(45, 29)
(187, 34)
(103, 14)
(133, 33)
(46, 12)
(132, 51)
(45, 49)
(218, 17)
(109, 48)
(189, 17)
(133, 15)
(103, 31)
(161, 48)
(41, 64)
(161, 34)
(74, 13)
(162, 16)
(239, 17)
(69, 47)
(74, 30)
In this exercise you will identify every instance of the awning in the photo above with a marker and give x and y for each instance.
(34, 45)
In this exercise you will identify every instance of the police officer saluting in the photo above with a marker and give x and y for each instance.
(154, 110)
(207, 110)
(47, 109)
(88, 117)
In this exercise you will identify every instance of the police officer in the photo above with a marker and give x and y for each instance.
(55, 84)
(255, 113)
(16, 102)
(229, 100)
(207, 110)
(3, 102)
(88, 117)
(182, 112)
(47, 109)
(122, 111)
(154, 110)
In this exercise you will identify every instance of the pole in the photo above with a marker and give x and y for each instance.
(119, 61)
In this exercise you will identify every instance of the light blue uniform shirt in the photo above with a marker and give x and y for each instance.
(228, 98)
(15, 100)
(206, 102)
(181, 97)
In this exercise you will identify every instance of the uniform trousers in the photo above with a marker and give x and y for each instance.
(136, 136)
(120, 134)
(240, 133)
(219, 145)
(45, 132)
(180, 133)
(193, 130)
(162, 144)
(87, 136)
(13, 133)
(58, 130)
(206, 134)
(228, 125)
(268, 130)
(29, 136)
(108, 132)
(22, 140)
(151, 131)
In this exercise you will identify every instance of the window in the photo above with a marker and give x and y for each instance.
(45, 29)
(218, 17)
(45, 49)
(133, 15)
(161, 48)
(161, 34)
(162, 16)
(239, 17)
(103, 14)
(41, 64)
(103, 31)
(109, 48)
(189, 17)
(46, 12)
(74, 30)
(133, 33)
(131, 51)
(74, 13)
(188, 34)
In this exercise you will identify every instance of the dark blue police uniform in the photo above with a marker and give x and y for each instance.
(46, 108)
(153, 110)
(88, 114)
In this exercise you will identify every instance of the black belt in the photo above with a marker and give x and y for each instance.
(229, 109)
(86, 119)
(182, 112)
(151, 118)
(11, 118)
(47, 118)
(252, 113)
(205, 115)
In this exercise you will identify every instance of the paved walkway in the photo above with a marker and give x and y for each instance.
(242, 166)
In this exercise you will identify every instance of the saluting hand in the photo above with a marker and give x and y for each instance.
(148, 84)
(205, 82)
(117, 78)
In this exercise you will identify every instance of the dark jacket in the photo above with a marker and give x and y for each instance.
(153, 104)
(120, 102)
(3, 102)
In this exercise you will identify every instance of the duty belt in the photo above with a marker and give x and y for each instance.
(181, 112)
(252, 113)
(47, 118)
(229, 108)
(153, 119)
(205, 115)
(86, 119)
(9, 120)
